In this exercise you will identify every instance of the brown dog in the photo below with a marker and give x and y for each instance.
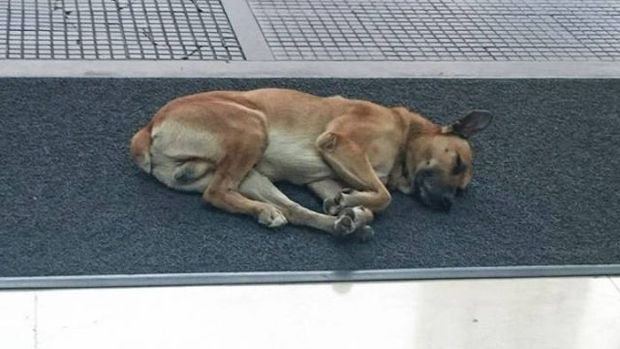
(231, 146)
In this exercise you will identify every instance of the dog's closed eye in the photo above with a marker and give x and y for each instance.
(459, 166)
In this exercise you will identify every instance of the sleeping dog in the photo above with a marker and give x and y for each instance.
(231, 146)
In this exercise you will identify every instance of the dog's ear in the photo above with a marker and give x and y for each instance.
(472, 123)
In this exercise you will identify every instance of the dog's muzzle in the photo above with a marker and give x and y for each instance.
(431, 193)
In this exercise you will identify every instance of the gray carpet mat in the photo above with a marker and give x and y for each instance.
(545, 192)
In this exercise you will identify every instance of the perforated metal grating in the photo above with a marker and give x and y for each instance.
(440, 30)
(114, 29)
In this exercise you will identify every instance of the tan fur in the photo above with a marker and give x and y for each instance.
(140, 148)
(231, 145)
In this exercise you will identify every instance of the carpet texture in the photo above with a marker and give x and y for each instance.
(545, 190)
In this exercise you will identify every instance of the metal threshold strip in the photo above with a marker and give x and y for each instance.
(327, 69)
(242, 278)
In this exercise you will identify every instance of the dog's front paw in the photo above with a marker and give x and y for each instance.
(272, 217)
(331, 207)
(335, 206)
(352, 219)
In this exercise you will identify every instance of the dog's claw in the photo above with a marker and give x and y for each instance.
(338, 199)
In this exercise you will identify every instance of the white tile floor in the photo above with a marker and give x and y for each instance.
(519, 313)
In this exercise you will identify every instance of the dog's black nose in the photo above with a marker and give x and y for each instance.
(446, 202)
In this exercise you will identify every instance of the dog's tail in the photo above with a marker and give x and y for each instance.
(141, 148)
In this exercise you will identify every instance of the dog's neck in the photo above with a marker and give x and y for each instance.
(415, 126)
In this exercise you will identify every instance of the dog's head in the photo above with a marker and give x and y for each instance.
(439, 163)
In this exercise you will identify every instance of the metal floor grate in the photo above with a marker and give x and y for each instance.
(440, 30)
(114, 29)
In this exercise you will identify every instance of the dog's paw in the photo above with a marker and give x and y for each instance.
(272, 217)
(343, 226)
(352, 219)
(335, 206)
(331, 207)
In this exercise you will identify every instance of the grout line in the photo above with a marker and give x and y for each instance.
(35, 328)
(616, 286)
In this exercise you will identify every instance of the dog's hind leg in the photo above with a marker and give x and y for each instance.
(351, 221)
(223, 190)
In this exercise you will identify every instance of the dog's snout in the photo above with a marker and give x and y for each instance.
(424, 174)
(434, 195)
